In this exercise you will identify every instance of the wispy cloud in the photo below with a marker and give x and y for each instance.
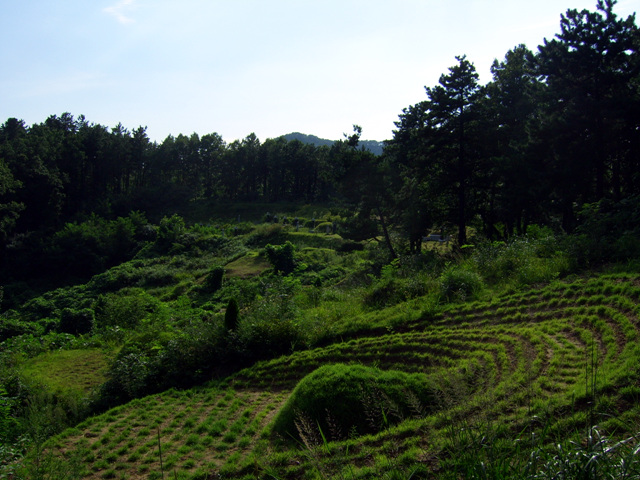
(120, 9)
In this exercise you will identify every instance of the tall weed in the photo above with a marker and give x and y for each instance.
(459, 283)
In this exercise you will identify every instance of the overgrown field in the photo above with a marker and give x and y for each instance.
(270, 351)
(526, 369)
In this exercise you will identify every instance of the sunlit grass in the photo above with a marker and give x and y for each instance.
(543, 361)
(68, 370)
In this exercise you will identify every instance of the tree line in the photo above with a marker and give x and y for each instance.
(54, 171)
(553, 131)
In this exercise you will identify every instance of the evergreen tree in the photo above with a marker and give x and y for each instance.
(591, 73)
(514, 179)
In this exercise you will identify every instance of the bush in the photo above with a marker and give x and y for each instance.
(76, 322)
(11, 326)
(231, 315)
(169, 231)
(268, 338)
(281, 257)
(124, 310)
(264, 234)
(351, 246)
(523, 260)
(384, 293)
(156, 360)
(39, 307)
(87, 248)
(352, 399)
(213, 280)
(460, 283)
(608, 231)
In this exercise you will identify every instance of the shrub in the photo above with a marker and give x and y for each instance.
(231, 315)
(129, 374)
(11, 326)
(525, 260)
(281, 257)
(345, 399)
(607, 231)
(384, 293)
(213, 280)
(124, 310)
(39, 307)
(268, 338)
(351, 246)
(76, 321)
(460, 283)
(8, 423)
(88, 247)
(169, 230)
(271, 327)
(264, 234)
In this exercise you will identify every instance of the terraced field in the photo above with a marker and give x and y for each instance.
(550, 361)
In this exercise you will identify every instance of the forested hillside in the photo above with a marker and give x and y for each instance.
(373, 146)
(481, 272)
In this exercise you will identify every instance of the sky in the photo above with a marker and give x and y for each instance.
(268, 67)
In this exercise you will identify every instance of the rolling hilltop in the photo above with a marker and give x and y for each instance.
(373, 146)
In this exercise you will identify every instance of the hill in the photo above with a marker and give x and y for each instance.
(528, 369)
(503, 358)
(374, 146)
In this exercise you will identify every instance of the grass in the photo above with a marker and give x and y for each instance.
(548, 362)
(68, 370)
(250, 265)
(517, 376)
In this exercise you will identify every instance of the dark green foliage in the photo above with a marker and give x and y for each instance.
(384, 293)
(9, 210)
(608, 231)
(270, 326)
(155, 361)
(8, 423)
(350, 246)
(458, 283)
(358, 228)
(76, 322)
(269, 337)
(266, 233)
(169, 232)
(231, 315)
(89, 247)
(39, 307)
(343, 400)
(124, 310)
(129, 377)
(213, 280)
(281, 257)
(11, 326)
(523, 260)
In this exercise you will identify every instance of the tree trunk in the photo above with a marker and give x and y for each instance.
(385, 231)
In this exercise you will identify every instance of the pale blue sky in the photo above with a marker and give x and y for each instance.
(241, 66)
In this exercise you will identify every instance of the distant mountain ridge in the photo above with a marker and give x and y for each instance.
(373, 146)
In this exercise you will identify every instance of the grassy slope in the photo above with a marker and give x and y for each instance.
(68, 370)
(549, 361)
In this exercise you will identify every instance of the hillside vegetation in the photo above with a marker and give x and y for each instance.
(338, 363)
